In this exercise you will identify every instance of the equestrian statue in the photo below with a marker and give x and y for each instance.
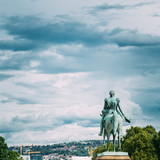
(111, 121)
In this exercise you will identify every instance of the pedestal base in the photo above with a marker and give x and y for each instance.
(113, 156)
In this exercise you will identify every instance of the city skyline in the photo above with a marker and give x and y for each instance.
(59, 60)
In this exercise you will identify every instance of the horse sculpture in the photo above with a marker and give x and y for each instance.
(113, 123)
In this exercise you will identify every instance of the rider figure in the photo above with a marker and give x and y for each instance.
(111, 105)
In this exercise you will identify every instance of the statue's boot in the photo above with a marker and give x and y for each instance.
(100, 134)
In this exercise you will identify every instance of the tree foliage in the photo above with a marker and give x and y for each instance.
(156, 141)
(3, 149)
(5, 154)
(141, 143)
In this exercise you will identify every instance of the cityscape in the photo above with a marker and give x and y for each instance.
(81, 150)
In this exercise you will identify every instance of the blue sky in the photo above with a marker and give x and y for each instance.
(59, 60)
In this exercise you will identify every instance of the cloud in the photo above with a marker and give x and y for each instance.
(75, 106)
(30, 29)
(124, 38)
(16, 61)
(17, 45)
(5, 76)
(71, 46)
(107, 7)
(72, 100)
(29, 122)
(41, 120)
(142, 4)
(54, 136)
(30, 33)
(145, 93)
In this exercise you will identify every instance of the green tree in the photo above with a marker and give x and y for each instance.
(156, 141)
(13, 155)
(5, 154)
(3, 149)
(139, 143)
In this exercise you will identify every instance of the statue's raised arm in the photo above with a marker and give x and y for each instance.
(119, 107)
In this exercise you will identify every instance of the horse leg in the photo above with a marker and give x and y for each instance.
(115, 127)
(119, 139)
(114, 137)
(119, 143)
(108, 141)
(104, 144)
(120, 134)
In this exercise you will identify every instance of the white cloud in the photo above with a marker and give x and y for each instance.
(34, 64)
(65, 133)
(70, 102)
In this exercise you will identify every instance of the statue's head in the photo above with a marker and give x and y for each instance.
(111, 93)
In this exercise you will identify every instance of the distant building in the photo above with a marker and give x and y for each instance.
(46, 157)
(25, 157)
(36, 156)
(80, 158)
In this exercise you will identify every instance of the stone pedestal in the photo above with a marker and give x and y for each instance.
(113, 156)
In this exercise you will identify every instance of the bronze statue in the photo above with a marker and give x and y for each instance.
(111, 121)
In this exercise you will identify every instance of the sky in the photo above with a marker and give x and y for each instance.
(59, 60)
